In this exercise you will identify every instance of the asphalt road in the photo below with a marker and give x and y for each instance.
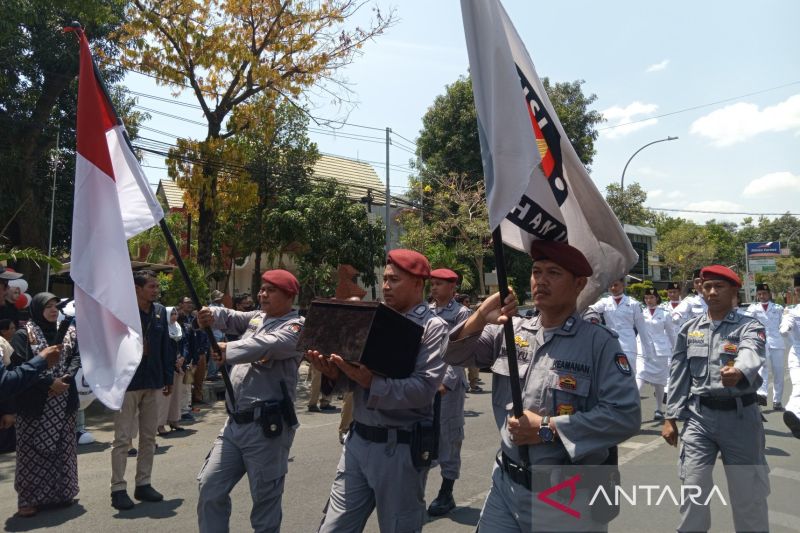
(315, 453)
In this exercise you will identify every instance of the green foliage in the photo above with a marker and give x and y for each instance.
(173, 287)
(686, 248)
(636, 290)
(30, 254)
(334, 230)
(628, 205)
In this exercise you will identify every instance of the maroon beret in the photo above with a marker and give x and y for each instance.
(282, 279)
(445, 274)
(720, 272)
(562, 254)
(412, 262)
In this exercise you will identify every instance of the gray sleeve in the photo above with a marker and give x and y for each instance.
(680, 381)
(617, 414)
(451, 378)
(280, 343)
(475, 350)
(418, 389)
(230, 321)
(751, 355)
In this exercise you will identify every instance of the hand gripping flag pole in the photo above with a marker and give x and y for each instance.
(76, 28)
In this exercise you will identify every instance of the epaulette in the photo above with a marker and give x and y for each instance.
(603, 326)
(420, 310)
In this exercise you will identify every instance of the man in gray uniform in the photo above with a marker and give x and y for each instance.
(453, 390)
(713, 383)
(379, 467)
(579, 398)
(260, 428)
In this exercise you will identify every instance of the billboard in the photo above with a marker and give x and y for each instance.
(764, 249)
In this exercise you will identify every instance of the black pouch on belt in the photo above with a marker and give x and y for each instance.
(271, 419)
(425, 438)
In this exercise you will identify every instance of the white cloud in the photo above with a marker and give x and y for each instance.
(652, 195)
(658, 66)
(617, 116)
(676, 194)
(782, 182)
(741, 121)
(714, 205)
(650, 171)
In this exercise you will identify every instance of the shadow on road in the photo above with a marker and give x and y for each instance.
(163, 509)
(461, 515)
(49, 518)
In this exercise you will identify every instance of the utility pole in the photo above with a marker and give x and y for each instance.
(388, 194)
(52, 210)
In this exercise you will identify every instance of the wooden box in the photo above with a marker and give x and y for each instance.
(369, 333)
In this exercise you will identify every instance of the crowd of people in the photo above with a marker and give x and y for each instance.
(581, 377)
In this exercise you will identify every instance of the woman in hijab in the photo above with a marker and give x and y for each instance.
(47, 461)
(170, 406)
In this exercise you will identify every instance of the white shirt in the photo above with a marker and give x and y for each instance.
(691, 306)
(771, 319)
(790, 326)
(659, 326)
(622, 318)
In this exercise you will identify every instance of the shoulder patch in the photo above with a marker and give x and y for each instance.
(294, 327)
(621, 360)
(762, 335)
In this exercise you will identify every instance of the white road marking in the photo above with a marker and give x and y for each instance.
(646, 448)
(632, 444)
(782, 472)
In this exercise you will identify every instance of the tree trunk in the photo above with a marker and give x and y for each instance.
(207, 217)
(481, 284)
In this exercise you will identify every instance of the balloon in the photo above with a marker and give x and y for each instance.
(23, 301)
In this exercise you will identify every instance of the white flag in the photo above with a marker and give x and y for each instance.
(113, 202)
(536, 186)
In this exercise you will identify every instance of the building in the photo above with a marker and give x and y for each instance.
(644, 239)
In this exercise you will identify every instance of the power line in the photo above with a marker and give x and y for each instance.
(405, 139)
(701, 106)
(721, 212)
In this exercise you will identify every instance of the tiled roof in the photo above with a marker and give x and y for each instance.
(169, 192)
(357, 176)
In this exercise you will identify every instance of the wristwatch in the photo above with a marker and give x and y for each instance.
(545, 433)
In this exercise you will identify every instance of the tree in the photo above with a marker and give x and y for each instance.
(227, 52)
(686, 248)
(628, 205)
(38, 95)
(457, 217)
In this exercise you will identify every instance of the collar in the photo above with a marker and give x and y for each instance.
(568, 328)
(419, 310)
(730, 317)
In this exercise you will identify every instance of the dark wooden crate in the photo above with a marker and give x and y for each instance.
(369, 333)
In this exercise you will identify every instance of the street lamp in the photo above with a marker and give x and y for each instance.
(622, 181)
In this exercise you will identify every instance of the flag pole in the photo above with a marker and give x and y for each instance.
(508, 330)
(78, 29)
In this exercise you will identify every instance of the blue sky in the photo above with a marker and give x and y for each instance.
(641, 59)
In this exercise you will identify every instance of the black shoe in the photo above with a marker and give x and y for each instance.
(475, 389)
(187, 417)
(147, 493)
(442, 505)
(792, 422)
(328, 408)
(777, 406)
(313, 409)
(121, 501)
(762, 400)
(132, 452)
(664, 399)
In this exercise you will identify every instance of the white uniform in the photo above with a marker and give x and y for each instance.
(692, 306)
(626, 320)
(771, 319)
(790, 326)
(655, 370)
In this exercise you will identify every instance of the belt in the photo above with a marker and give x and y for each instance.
(245, 417)
(536, 481)
(376, 434)
(726, 404)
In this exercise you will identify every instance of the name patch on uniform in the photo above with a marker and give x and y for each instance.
(696, 337)
(571, 366)
(567, 383)
(519, 341)
(621, 360)
(565, 409)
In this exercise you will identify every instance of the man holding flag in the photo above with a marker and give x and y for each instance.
(571, 387)
(113, 202)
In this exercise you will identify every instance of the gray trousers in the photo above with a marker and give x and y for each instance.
(738, 435)
(511, 508)
(238, 450)
(374, 475)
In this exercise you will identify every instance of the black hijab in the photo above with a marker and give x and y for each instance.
(38, 303)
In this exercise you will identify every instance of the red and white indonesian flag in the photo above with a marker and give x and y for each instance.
(536, 187)
(113, 202)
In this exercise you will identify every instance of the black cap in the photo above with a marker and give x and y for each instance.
(763, 287)
(673, 285)
(696, 274)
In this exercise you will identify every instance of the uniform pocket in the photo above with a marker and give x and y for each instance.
(567, 392)
(408, 522)
(698, 361)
